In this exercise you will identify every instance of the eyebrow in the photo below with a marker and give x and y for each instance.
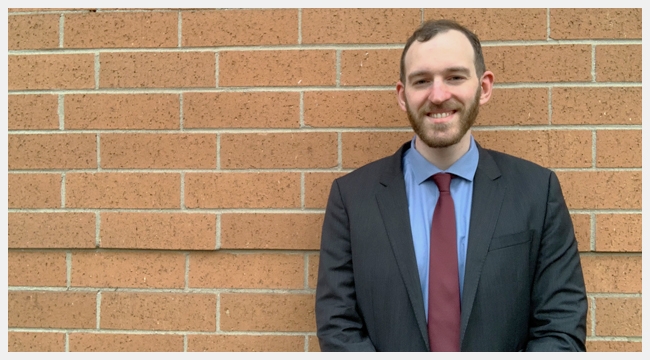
(455, 69)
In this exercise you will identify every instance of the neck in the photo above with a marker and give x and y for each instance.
(444, 157)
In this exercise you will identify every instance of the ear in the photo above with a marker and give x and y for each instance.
(401, 96)
(486, 83)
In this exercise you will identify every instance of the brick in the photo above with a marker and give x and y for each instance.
(313, 345)
(45, 72)
(87, 342)
(242, 190)
(241, 110)
(514, 24)
(610, 273)
(128, 269)
(175, 231)
(36, 341)
(353, 109)
(555, 63)
(312, 280)
(597, 106)
(582, 229)
(618, 232)
(52, 151)
(34, 191)
(267, 312)
(601, 189)
(515, 107)
(613, 346)
(122, 111)
(618, 316)
(121, 30)
(277, 68)
(30, 268)
(51, 230)
(317, 188)
(370, 67)
(595, 24)
(279, 150)
(158, 151)
(546, 148)
(358, 26)
(360, 148)
(590, 314)
(618, 148)
(51, 309)
(179, 69)
(240, 27)
(245, 343)
(33, 112)
(37, 31)
(271, 231)
(122, 190)
(618, 63)
(246, 270)
(158, 311)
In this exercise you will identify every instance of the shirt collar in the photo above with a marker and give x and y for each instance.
(465, 167)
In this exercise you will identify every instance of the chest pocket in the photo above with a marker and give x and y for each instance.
(509, 240)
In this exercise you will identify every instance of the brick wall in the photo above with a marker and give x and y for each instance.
(168, 170)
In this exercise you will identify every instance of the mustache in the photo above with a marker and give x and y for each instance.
(449, 105)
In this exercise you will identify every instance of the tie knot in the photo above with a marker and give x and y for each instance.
(442, 180)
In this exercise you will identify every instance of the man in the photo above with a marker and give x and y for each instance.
(504, 273)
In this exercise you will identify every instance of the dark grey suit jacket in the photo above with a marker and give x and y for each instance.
(523, 290)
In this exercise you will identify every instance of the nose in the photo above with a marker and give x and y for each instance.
(439, 92)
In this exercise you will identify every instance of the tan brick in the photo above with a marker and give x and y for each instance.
(613, 346)
(135, 70)
(370, 67)
(36, 341)
(53, 71)
(546, 148)
(36, 268)
(317, 188)
(618, 63)
(51, 309)
(241, 110)
(582, 229)
(245, 343)
(277, 68)
(33, 112)
(513, 24)
(313, 271)
(51, 230)
(122, 111)
(52, 151)
(279, 150)
(246, 270)
(363, 147)
(358, 26)
(313, 345)
(609, 273)
(606, 106)
(618, 316)
(128, 269)
(595, 23)
(121, 30)
(601, 189)
(618, 232)
(158, 311)
(240, 27)
(37, 31)
(87, 342)
(237, 190)
(515, 107)
(122, 190)
(271, 231)
(351, 109)
(176, 231)
(555, 63)
(618, 148)
(267, 312)
(34, 191)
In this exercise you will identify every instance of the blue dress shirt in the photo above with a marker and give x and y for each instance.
(422, 194)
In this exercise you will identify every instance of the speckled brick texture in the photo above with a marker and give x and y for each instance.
(169, 169)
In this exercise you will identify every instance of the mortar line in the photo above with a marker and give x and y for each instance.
(217, 315)
(187, 270)
(184, 342)
(300, 26)
(98, 221)
(306, 343)
(340, 151)
(60, 111)
(61, 30)
(550, 106)
(180, 112)
(593, 63)
(592, 228)
(68, 270)
(593, 316)
(182, 191)
(66, 347)
(162, 332)
(593, 149)
(216, 69)
(62, 190)
(338, 68)
(217, 244)
(99, 158)
(180, 24)
(302, 190)
(301, 111)
(306, 277)
(218, 151)
(548, 24)
(99, 303)
(97, 70)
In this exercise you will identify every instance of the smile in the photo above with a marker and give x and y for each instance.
(440, 115)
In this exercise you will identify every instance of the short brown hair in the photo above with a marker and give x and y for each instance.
(432, 28)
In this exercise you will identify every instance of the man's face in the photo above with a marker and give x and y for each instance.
(442, 93)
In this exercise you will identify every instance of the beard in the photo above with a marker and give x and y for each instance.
(433, 134)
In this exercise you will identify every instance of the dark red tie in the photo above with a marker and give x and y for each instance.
(444, 292)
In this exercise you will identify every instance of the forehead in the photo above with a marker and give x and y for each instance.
(446, 50)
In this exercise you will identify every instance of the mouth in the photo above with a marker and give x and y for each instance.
(440, 116)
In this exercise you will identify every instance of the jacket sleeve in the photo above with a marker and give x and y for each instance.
(558, 298)
(339, 324)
